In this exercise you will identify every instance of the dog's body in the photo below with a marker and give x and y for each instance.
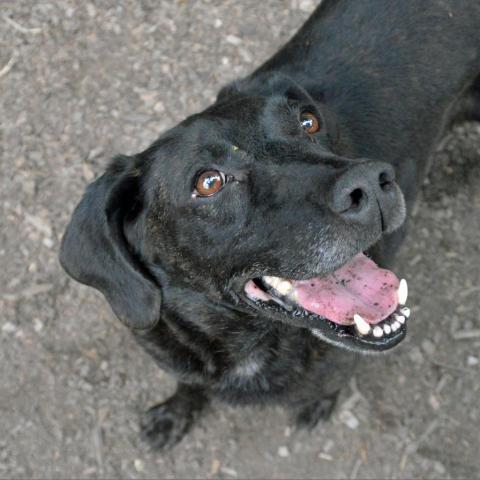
(386, 78)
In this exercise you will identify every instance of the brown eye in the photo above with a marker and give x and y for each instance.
(310, 122)
(209, 183)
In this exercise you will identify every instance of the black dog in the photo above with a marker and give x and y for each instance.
(235, 247)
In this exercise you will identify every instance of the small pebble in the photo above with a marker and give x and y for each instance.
(472, 361)
(37, 325)
(283, 452)
(325, 456)
(48, 242)
(233, 40)
(349, 419)
(87, 172)
(8, 327)
(428, 347)
(306, 5)
(434, 402)
(159, 107)
(138, 464)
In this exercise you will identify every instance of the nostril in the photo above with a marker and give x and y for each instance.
(386, 181)
(364, 193)
(356, 199)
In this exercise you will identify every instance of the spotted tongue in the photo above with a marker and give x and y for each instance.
(359, 287)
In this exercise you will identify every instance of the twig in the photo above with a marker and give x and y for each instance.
(455, 368)
(356, 396)
(355, 469)
(229, 471)
(468, 291)
(466, 334)
(28, 292)
(442, 382)
(215, 468)
(20, 28)
(97, 442)
(413, 447)
(8, 66)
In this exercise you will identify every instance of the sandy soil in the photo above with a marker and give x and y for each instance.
(82, 81)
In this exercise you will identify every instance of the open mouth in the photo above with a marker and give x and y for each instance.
(359, 306)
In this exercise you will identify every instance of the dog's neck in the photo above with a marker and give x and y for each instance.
(390, 68)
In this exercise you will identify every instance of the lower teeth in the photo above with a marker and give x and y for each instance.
(385, 328)
(362, 328)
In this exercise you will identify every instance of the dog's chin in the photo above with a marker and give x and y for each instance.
(359, 307)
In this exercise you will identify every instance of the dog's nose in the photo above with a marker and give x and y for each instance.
(365, 193)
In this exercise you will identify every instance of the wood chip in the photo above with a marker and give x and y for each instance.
(28, 292)
(8, 66)
(215, 468)
(466, 334)
(20, 28)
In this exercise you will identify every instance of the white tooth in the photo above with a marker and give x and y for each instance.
(399, 318)
(272, 281)
(284, 287)
(395, 326)
(293, 295)
(362, 326)
(269, 280)
(377, 332)
(387, 329)
(402, 292)
(405, 311)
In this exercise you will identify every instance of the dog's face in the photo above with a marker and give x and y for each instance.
(250, 204)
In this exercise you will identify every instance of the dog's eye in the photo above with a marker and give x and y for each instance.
(310, 122)
(209, 183)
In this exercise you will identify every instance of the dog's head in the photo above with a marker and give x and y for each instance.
(252, 204)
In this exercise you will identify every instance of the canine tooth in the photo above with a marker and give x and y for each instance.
(284, 287)
(387, 329)
(399, 318)
(271, 280)
(405, 311)
(378, 332)
(395, 326)
(361, 325)
(293, 295)
(402, 292)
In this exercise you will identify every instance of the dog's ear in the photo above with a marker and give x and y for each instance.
(95, 251)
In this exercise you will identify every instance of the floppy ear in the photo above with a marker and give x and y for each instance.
(95, 251)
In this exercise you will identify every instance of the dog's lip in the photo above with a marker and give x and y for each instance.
(325, 330)
(358, 334)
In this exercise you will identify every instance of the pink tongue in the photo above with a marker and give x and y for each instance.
(360, 287)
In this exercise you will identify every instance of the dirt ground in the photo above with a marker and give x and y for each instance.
(82, 81)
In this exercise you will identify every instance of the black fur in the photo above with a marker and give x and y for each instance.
(385, 78)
